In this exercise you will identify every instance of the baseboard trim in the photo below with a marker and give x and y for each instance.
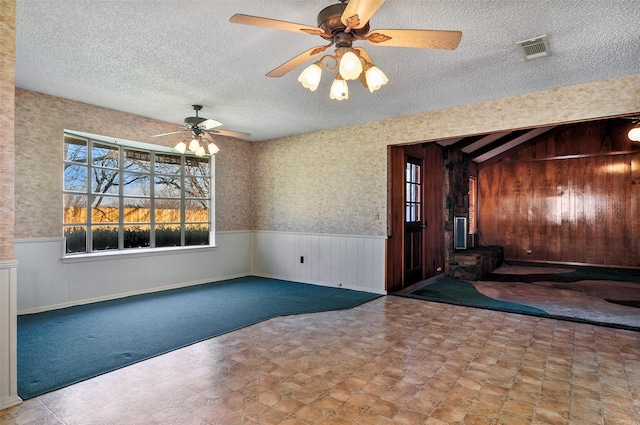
(10, 402)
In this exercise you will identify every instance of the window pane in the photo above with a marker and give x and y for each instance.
(137, 210)
(167, 210)
(197, 234)
(75, 178)
(105, 155)
(168, 235)
(197, 167)
(167, 186)
(75, 208)
(137, 161)
(75, 149)
(137, 236)
(105, 209)
(105, 237)
(104, 181)
(167, 164)
(136, 184)
(196, 211)
(76, 238)
(196, 187)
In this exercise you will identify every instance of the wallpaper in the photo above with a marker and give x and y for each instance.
(335, 181)
(7, 77)
(331, 182)
(40, 121)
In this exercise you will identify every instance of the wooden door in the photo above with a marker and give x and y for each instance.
(415, 248)
(414, 222)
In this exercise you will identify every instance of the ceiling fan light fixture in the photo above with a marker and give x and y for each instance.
(350, 66)
(213, 149)
(339, 89)
(310, 77)
(181, 147)
(375, 78)
(634, 133)
(194, 145)
(200, 151)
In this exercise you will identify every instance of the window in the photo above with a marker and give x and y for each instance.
(129, 195)
(413, 191)
(473, 205)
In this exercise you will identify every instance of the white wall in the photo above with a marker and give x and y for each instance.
(348, 261)
(47, 281)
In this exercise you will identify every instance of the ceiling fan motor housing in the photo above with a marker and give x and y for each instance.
(330, 20)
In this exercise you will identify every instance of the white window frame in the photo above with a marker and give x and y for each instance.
(152, 149)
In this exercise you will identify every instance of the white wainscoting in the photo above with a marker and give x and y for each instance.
(348, 261)
(46, 281)
(8, 336)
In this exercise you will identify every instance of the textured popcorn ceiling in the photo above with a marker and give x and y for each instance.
(156, 58)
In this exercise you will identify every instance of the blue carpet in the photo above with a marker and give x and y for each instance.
(460, 292)
(61, 347)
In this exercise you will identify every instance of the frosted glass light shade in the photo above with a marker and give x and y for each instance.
(213, 149)
(194, 145)
(200, 151)
(310, 77)
(634, 134)
(350, 66)
(181, 147)
(339, 89)
(375, 78)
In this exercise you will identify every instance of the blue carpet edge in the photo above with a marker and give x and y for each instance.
(371, 297)
(525, 313)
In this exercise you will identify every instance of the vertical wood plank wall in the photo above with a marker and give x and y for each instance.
(571, 198)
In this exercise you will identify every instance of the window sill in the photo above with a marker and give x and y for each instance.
(133, 253)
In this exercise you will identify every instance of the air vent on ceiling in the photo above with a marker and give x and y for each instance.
(534, 47)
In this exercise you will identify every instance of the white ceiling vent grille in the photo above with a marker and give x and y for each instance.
(534, 47)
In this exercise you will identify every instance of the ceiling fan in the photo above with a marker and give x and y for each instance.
(200, 128)
(341, 24)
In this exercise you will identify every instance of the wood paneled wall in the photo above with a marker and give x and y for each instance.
(571, 198)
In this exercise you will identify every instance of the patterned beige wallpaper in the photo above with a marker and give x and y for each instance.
(332, 181)
(335, 181)
(39, 124)
(7, 105)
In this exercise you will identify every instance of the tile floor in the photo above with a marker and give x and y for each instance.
(391, 361)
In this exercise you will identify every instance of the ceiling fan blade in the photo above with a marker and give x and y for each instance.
(173, 132)
(209, 124)
(258, 21)
(237, 134)
(425, 39)
(358, 12)
(297, 61)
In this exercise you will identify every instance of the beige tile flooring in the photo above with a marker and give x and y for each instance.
(391, 361)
